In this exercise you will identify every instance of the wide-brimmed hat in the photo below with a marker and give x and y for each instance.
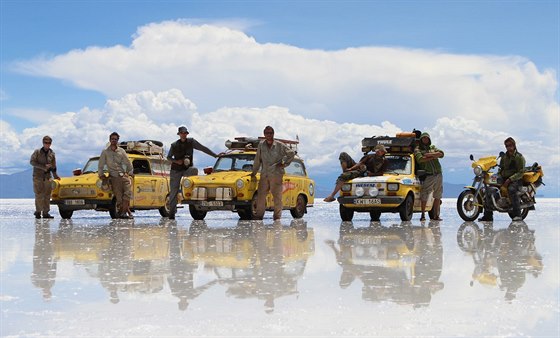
(182, 129)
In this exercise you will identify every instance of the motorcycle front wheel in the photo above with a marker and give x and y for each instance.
(469, 206)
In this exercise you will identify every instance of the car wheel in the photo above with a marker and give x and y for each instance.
(299, 210)
(164, 210)
(65, 214)
(346, 214)
(113, 209)
(407, 208)
(197, 214)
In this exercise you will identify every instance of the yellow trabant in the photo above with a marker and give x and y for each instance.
(150, 184)
(228, 185)
(398, 190)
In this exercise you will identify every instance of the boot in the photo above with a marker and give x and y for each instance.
(47, 215)
(487, 217)
(37, 214)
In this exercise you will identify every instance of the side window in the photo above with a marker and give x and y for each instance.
(141, 167)
(295, 168)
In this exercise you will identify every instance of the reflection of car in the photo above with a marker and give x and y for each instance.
(398, 190)
(401, 263)
(150, 184)
(252, 259)
(228, 185)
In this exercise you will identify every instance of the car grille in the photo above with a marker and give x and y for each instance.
(77, 192)
(218, 194)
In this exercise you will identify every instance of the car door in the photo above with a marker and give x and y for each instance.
(144, 184)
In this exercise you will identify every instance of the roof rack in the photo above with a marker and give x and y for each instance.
(401, 143)
(144, 147)
(246, 142)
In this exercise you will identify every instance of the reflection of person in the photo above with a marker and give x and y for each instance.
(272, 157)
(43, 161)
(512, 167)
(182, 272)
(120, 171)
(44, 263)
(181, 157)
(114, 265)
(427, 155)
(370, 165)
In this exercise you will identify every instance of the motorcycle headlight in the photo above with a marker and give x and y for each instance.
(478, 170)
(239, 184)
(187, 183)
(359, 191)
(346, 187)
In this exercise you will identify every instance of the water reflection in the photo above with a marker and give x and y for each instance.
(502, 258)
(401, 263)
(44, 262)
(253, 260)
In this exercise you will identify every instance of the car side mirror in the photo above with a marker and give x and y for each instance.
(77, 172)
(208, 170)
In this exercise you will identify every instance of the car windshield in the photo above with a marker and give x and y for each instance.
(401, 165)
(91, 166)
(235, 163)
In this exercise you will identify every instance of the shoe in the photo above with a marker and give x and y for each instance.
(125, 216)
(517, 218)
(171, 216)
(47, 215)
(486, 219)
(37, 215)
(437, 219)
(329, 199)
(422, 218)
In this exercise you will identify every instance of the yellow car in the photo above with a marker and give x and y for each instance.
(150, 184)
(228, 185)
(398, 190)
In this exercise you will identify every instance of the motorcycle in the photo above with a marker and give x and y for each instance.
(487, 183)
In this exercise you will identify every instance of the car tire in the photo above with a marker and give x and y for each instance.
(346, 214)
(407, 208)
(113, 209)
(375, 215)
(197, 214)
(65, 214)
(299, 210)
(164, 210)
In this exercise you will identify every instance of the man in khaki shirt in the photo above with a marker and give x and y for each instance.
(120, 173)
(43, 162)
(272, 157)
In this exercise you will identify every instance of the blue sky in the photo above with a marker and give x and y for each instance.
(349, 68)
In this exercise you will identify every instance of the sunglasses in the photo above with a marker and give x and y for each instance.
(268, 133)
(114, 139)
(46, 142)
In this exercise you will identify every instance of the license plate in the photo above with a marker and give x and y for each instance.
(367, 201)
(74, 202)
(212, 203)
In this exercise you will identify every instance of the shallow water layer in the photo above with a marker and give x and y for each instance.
(318, 276)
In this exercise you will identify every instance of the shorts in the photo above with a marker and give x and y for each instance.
(432, 183)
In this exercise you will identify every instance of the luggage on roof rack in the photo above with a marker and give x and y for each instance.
(145, 147)
(402, 143)
(253, 142)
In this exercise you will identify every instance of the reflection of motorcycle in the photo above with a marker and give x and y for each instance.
(401, 263)
(253, 260)
(487, 187)
(502, 258)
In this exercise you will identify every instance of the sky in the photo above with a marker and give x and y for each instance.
(471, 73)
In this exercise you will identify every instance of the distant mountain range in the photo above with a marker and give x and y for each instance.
(19, 185)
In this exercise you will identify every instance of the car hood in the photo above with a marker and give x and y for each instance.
(84, 179)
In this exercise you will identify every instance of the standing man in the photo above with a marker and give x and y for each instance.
(427, 155)
(181, 157)
(43, 162)
(273, 156)
(120, 173)
(512, 167)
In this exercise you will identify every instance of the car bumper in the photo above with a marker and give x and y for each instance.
(81, 204)
(377, 203)
(218, 205)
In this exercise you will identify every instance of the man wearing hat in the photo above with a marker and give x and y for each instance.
(427, 155)
(370, 165)
(181, 157)
(43, 162)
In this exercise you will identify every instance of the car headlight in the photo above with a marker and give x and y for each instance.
(187, 183)
(393, 186)
(373, 191)
(478, 170)
(359, 191)
(54, 184)
(311, 189)
(239, 184)
(346, 187)
(99, 184)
